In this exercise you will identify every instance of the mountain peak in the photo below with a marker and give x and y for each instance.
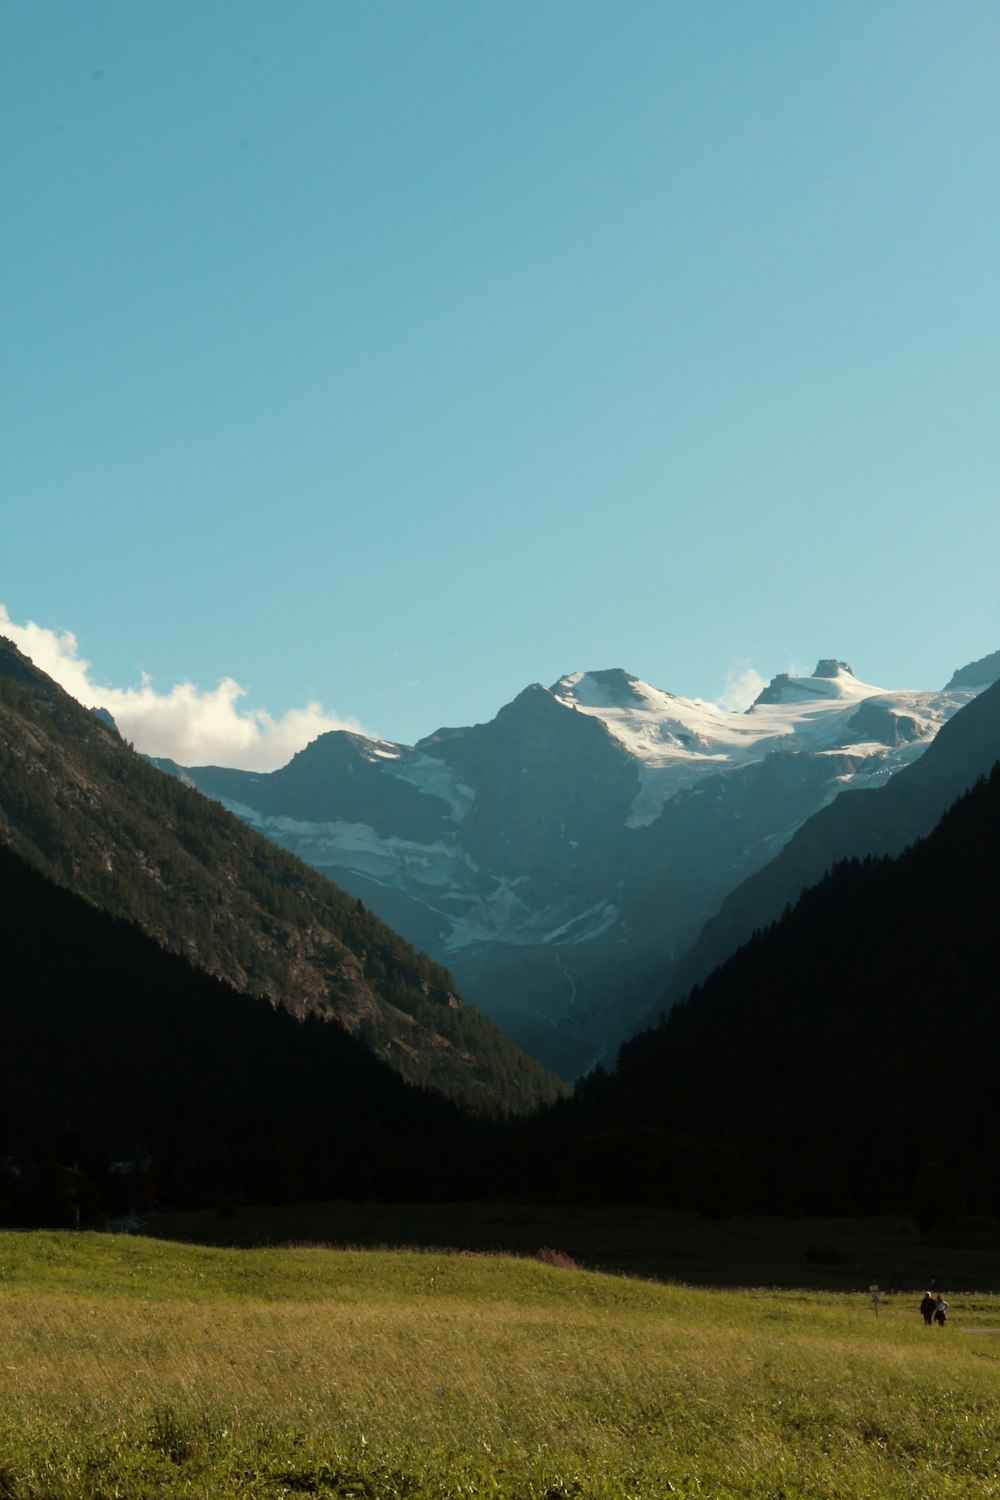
(977, 674)
(612, 687)
(828, 667)
(532, 701)
(537, 710)
(831, 679)
(106, 717)
(337, 748)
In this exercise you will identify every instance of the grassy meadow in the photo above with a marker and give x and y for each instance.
(134, 1367)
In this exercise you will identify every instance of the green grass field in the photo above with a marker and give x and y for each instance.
(133, 1367)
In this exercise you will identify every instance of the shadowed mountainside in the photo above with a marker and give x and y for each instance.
(873, 821)
(844, 1060)
(79, 805)
(115, 1049)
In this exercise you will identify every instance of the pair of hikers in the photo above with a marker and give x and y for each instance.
(933, 1309)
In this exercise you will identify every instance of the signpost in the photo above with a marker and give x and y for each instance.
(875, 1296)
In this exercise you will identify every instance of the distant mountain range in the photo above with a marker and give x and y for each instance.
(563, 859)
(84, 810)
(842, 1059)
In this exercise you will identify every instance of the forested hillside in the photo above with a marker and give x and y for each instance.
(79, 805)
(843, 1060)
(874, 821)
(116, 1051)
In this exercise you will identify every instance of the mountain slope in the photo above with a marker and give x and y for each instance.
(561, 858)
(858, 824)
(111, 1047)
(79, 805)
(829, 1061)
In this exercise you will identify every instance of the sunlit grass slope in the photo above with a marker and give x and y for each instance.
(135, 1368)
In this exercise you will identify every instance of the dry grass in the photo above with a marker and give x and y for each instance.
(132, 1369)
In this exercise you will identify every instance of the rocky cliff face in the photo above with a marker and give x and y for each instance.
(562, 858)
(978, 674)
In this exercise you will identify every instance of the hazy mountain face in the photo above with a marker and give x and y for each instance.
(842, 1061)
(562, 858)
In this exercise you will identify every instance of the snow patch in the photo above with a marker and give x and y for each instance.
(677, 741)
(495, 917)
(590, 924)
(391, 861)
(383, 750)
(435, 778)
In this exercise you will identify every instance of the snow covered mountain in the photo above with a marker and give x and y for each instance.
(865, 823)
(563, 857)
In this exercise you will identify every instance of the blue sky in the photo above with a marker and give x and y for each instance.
(389, 357)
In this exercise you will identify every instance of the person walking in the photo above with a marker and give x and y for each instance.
(927, 1308)
(940, 1310)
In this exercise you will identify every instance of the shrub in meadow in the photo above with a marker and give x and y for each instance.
(552, 1257)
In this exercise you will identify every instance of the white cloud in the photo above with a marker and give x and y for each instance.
(743, 683)
(186, 724)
